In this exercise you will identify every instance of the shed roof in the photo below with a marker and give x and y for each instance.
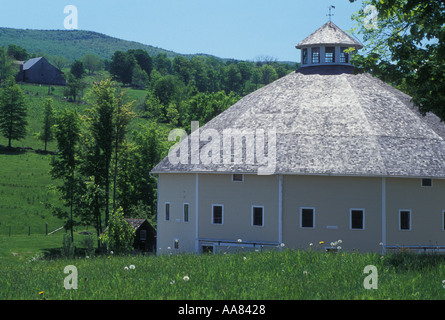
(332, 124)
(329, 34)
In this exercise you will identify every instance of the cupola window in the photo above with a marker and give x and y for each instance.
(344, 56)
(316, 55)
(330, 55)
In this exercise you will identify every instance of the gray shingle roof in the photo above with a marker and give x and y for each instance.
(329, 34)
(28, 64)
(340, 124)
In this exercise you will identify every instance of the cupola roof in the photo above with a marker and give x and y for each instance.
(329, 34)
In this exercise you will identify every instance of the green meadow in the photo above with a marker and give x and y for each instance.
(268, 275)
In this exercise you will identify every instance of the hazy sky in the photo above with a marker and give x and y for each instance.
(239, 29)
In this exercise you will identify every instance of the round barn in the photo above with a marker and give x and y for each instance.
(320, 155)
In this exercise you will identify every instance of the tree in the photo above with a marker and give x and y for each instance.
(78, 69)
(140, 78)
(143, 59)
(107, 121)
(60, 62)
(121, 66)
(64, 164)
(406, 47)
(12, 111)
(47, 134)
(7, 68)
(17, 52)
(74, 86)
(92, 63)
(119, 236)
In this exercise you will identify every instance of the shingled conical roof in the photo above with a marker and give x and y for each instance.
(333, 125)
(329, 34)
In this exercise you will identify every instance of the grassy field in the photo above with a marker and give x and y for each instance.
(269, 275)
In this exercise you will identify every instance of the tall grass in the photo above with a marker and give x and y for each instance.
(270, 275)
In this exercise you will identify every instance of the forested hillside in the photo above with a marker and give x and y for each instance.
(71, 44)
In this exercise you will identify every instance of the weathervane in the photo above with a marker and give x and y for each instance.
(330, 12)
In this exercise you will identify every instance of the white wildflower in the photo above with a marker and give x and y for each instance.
(132, 267)
(186, 278)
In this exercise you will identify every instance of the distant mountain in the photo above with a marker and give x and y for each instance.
(72, 44)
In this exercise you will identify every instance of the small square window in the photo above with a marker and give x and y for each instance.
(217, 214)
(307, 218)
(238, 178)
(357, 219)
(405, 220)
(427, 182)
(257, 216)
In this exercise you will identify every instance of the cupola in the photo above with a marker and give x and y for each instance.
(327, 46)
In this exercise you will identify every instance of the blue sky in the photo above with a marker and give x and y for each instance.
(239, 29)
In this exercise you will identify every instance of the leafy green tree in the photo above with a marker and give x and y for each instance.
(60, 62)
(406, 47)
(143, 59)
(269, 74)
(234, 79)
(121, 66)
(136, 185)
(119, 235)
(74, 86)
(17, 52)
(47, 134)
(12, 111)
(92, 62)
(7, 68)
(168, 89)
(182, 67)
(64, 165)
(140, 78)
(78, 69)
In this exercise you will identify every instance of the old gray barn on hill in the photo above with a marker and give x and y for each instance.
(320, 155)
(40, 71)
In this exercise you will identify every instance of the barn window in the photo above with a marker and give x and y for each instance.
(405, 220)
(167, 211)
(238, 178)
(330, 55)
(307, 217)
(217, 214)
(143, 235)
(186, 212)
(357, 219)
(427, 182)
(257, 216)
(316, 55)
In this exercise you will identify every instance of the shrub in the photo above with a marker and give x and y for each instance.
(119, 236)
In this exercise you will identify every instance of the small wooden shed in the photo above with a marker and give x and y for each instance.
(145, 239)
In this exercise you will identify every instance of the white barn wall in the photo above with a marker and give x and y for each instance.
(176, 189)
(426, 204)
(332, 198)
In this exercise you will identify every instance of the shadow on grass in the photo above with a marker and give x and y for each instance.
(406, 261)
